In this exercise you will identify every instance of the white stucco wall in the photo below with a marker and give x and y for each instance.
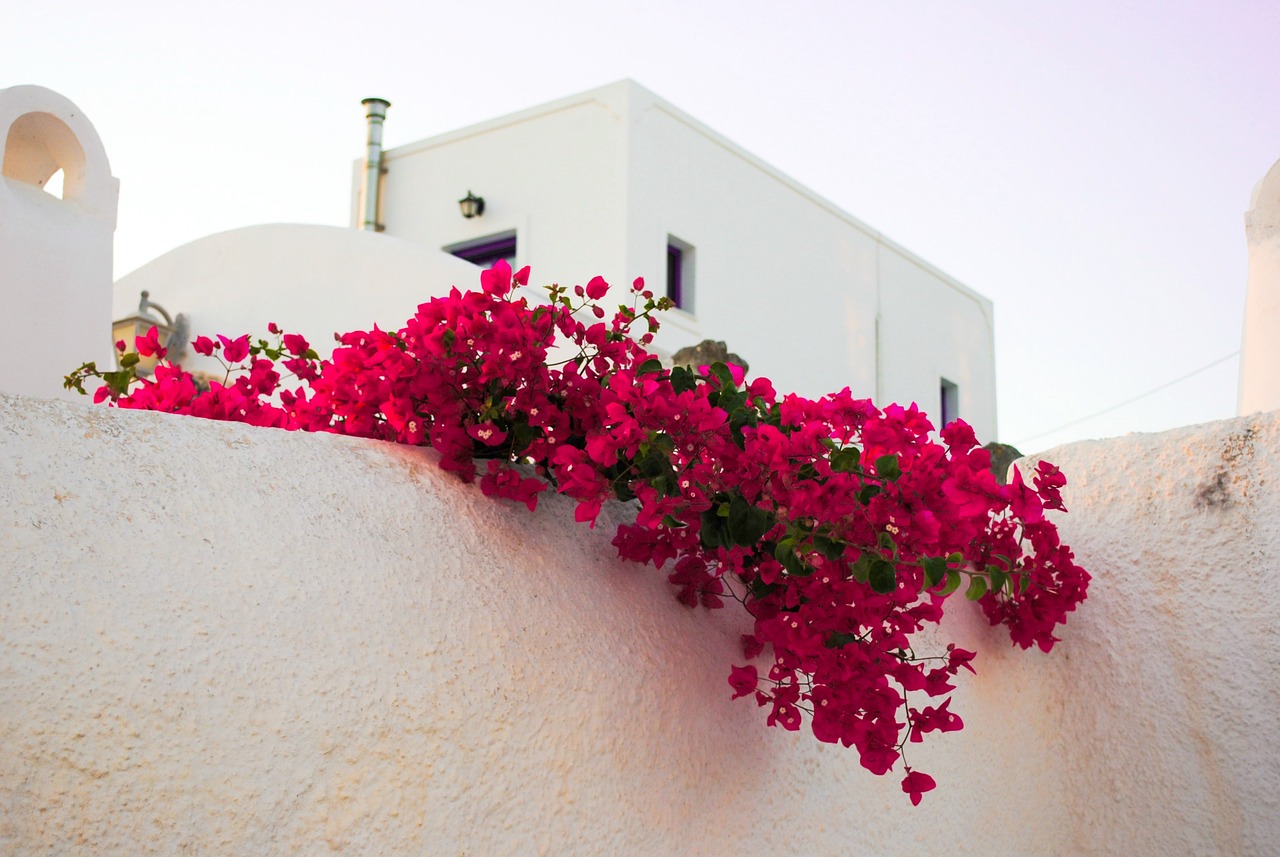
(313, 280)
(779, 276)
(555, 176)
(55, 254)
(595, 183)
(954, 339)
(1172, 701)
(792, 282)
(222, 639)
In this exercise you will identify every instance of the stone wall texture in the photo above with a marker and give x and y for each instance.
(216, 639)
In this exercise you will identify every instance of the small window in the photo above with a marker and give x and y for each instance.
(487, 251)
(680, 273)
(949, 395)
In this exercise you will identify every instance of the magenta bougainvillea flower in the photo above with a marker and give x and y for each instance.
(149, 345)
(915, 784)
(840, 527)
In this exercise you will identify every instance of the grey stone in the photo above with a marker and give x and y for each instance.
(705, 353)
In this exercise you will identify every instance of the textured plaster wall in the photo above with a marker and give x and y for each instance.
(219, 639)
(1172, 704)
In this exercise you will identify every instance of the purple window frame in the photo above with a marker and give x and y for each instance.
(486, 253)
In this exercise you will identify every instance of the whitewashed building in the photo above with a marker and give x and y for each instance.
(615, 182)
(618, 182)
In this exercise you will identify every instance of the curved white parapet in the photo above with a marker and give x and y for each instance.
(55, 253)
(221, 639)
(1172, 700)
(313, 280)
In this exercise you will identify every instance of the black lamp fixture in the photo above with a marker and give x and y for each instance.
(471, 205)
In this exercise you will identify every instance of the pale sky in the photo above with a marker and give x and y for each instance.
(1085, 165)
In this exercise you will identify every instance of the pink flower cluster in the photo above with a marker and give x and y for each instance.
(840, 527)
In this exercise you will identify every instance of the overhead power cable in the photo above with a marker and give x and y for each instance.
(1136, 398)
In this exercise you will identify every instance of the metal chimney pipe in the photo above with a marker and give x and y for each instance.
(377, 112)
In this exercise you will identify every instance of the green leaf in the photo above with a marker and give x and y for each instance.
(829, 548)
(524, 435)
(673, 522)
(653, 364)
(714, 532)
(885, 542)
(682, 380)
(861, 569)
(665, 484)
(977, 588)
(732, 401)
(998, 578)
(935, 569)
(1024, 582)
(887, 467)
(846, 460)
(722, 373)
(867, 492)
(664, 442)
(737, 420)
(129, 360)
(953, 582)
(747, 522)
(118, 382)
(785, 553)
(882, 576)
(839, 639)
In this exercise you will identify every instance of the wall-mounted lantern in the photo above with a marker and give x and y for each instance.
(471, 205)
(173, 333)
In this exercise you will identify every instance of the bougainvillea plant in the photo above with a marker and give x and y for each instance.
(841, 528)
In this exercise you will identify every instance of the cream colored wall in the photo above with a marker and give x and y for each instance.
(55, 254)
(1260, 346)
(222, 639)
(1172, 701)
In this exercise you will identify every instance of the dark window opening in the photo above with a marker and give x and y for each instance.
(675, 274)
(949, 395)
(680, 273)
(487, 251)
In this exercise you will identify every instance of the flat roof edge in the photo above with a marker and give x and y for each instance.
(608, 96)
